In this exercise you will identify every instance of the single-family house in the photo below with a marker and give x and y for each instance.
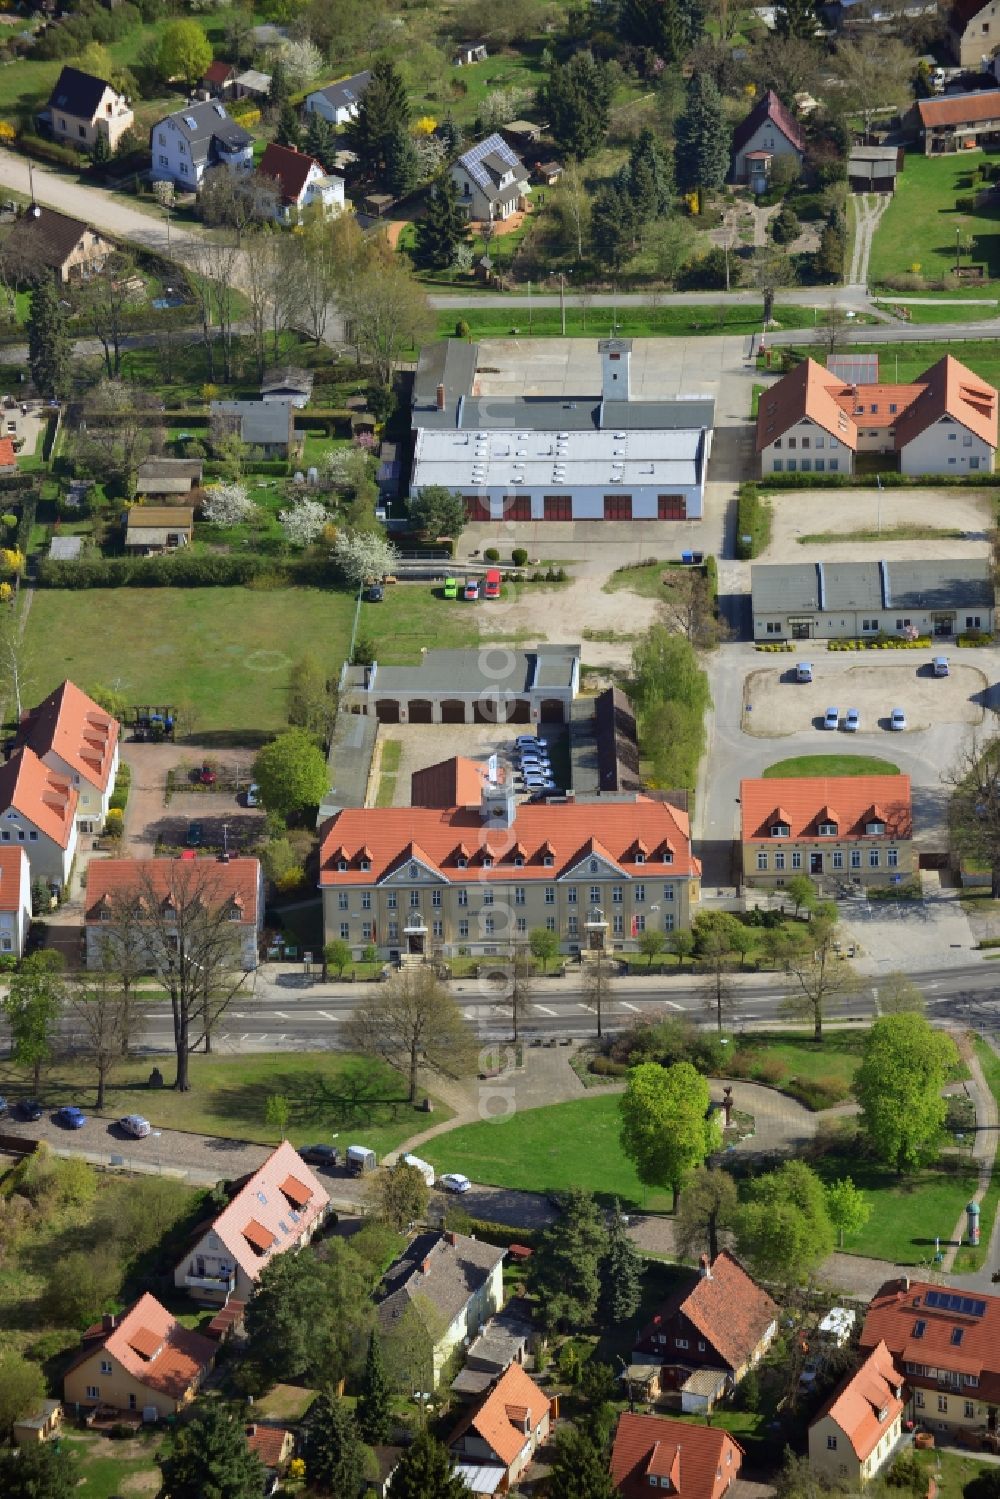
(81, 108)
(234, 887)
(491, 179)
(973, 31)
(183, 146)
(301, 182)
(159, 477)
(39, 1424)
(253, 84)
(657, 1452)
(504, 1340)
(858, 1429)
(768, 131)
(219, 78)
(150, 529)
(720, 1319)
(386, 1462)
(446, 1283)
(143, 1360)
(466, 53)
(851, 600)
(15, 900)
(852, 828)
(78, 739)
(957, 122)
(338, 102)
(274, 1446)
(494, 1443)
(38, 809)
(279, 1207)
(42, 239)
(946, 1343)
(287, 384)
(267, 425)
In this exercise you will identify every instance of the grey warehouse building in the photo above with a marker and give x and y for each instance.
(848, 600)
(491, 685)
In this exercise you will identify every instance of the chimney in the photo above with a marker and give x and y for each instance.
(108, 1321)
(704, 1268)
(425, 1267)
(904, 1282)
(441, 397)
(449, 1238)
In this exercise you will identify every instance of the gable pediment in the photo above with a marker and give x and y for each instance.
(413, 871)
(594, 867)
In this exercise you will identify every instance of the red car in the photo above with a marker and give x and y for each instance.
(206, 775)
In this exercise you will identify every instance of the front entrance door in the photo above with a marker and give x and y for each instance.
(415, 942)
(802, 632)
(597, 941)
(944, 624)
(815, 863)
(991, 1420)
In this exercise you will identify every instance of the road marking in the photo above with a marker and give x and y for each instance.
(326, 1015)
(544, 1010)
(470, 1014)
(245, 1036)
(591, 1009)
(280, 1014)
(282, 1036)
(671, 1005)
(627, 1006)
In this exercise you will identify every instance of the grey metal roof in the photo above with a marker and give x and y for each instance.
(260, 421)
(461, 671)
(568, 414)
(254, 80)
(450, 362)
(786, 588)
(65, 548)
(437, 1278)
(347, 92)
(941, 585)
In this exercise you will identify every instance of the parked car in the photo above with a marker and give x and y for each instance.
(531, 741)
(454, 1181)
(472, 588)
(831, 718)
(30, 1109)
(492, 589)
(374, 593)
(253, 794)
(450, 589)
(897, 719)
(207, 776)
(940, 666)
(852, 722)
(70, 1117)
(325, 1156)
(135, 1125)
(195, 835)
(804, 671)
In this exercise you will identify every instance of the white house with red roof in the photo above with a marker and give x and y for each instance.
(279, 1208)
(116, 886)
(656, 1452)
(769, 131)
(38, 810)
(301, 182)
(15, 900)
(495, 1442)
(143, 1360)
(74, 736)
(858, 1429)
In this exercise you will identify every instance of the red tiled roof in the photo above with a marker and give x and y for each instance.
(178, 1358)
(248, 1214)
(806, 391)
(44, 797)
(289, 168)
(900, 1307)
(260, 1237)
(145, 1341)
(769, 107)
(218, 72)
(70, 724)
(269, 1443)
(13, 862)
(803, 803)
(436, 837)
(514, 1397)
(948, 388)
(960, 109)
(8, 458)
(852, 397)
(180, 880)
(457, 782)
(700, 1461)
(867, 1403)
(728, 1308)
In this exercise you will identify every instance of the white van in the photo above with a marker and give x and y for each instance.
(424, 1167)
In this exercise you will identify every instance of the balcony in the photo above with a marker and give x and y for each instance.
(222, 1284)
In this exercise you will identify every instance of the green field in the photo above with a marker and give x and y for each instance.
(902, 362)
(944, 312)
(631, 322)
(326, 1091)
(919, 225)
(645, 579)
(107, 1468)
(832, 765)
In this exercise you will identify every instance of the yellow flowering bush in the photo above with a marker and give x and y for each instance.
(7, 131)
(11, 560)
(426, 125)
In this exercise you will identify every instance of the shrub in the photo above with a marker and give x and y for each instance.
(462, 329)
(290, 879)
(519, 556)
(771, 1071)
(753, 521)
(605, 1067)
(492, 554)
(114, 823)
(43, 150)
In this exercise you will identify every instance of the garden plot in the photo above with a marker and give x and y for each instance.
(774, 704)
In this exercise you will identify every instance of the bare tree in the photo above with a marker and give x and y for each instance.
(573, 201)
(811, 958)
(974, 814)
(834, 327)
(598, 987)
(100, 1012)
(212, 277)
(107, 301)
(898, 994)
(237, 202)
(120, 953)
(689, 608)
(715, 963)
(874, 78)
(412, 1019)
(388, 313)
(258, 288)
(516, 987)
(116, 434)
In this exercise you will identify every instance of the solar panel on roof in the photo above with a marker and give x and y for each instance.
(948, 1301)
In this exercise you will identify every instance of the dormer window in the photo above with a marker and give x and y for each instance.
(519, 861)
(640, 857)
(341, 865)
(828, 830)
(548, 861)
(875, 829)
(462, 862)
(366, 864)
(780, 830)
(594, 866)
(487, 861)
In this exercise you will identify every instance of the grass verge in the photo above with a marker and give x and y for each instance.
(831, 765)
(887, 533)
(969, 1258)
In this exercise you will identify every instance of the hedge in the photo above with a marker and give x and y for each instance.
(871, 481)
(753, 519)
(185, 570)
(43, 150)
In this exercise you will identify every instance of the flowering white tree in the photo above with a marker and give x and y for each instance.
(164, 194)
(303, 62)
(364, 554)
(304, 522)
(228, 505)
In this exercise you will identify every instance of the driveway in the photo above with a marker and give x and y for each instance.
(149, 816)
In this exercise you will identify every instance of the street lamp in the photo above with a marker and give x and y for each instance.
(562, 297)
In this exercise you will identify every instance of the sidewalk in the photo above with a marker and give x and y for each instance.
(984, 1151)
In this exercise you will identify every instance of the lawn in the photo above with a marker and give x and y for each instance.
(108, 1468)
(967, 1258)
(918, 227)
(631, 322)
(904, 362)
(832, 765)
(885, 533)
(818, 1075)
(645, 579)
(944, 312)
(327, 1092)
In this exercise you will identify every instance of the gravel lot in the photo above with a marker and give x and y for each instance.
(775, 705)
(794, 514)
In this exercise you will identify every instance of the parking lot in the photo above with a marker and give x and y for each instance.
(775, 704)
(220, 808)
(427, 744)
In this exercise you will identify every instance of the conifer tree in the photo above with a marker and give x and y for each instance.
(701, 137)
(333, 1451)
(621, 1273)
(375, 1401)
(48, 341)
(443, 227)
(425, 1472)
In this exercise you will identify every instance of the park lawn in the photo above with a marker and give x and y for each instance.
(107, 1468)
(919, 225)
(831, 765)
(326, 1091)
(833, 1061)
(566, 1145)
(950, 1472)
(909, 1212)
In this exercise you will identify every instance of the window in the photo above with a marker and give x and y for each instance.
(820, 440)
(487, 861)
(366, 900)
(390, 900)
(93, 1392)
(183, 167)
(342, 900)
(820, 465)
(943, 1404)
(438, 928)
(595, 895)
(680, 1342)
(780, 830)
(640, 857)
(892, 857)
(639, 923)
(761, 858)
(869, 625)
(616, 895)
(668, 892)
(414, 899)
(393, 933)
(462, 862)
(487, 897)
(834, 463)
(550, 923)
(163, 161)
(489, 926)
(855, 858)
(873, 858)
(571, 895)
(594, 866)
(918, 1399)
(831, 1443)
(668, 921)
(571, 926)
(970, 1410)
(345, 931)
(791, 443)
(777, 465)
(791, 465)
(550, 895)
(161, 138)
(806, 465)
(973, 621)
(366, 931)
(796, 859)
(777, 442)
(618, 927)
(105, 1366)
(518, 861)
(779, 859)
(828, 830)
(640, 894)
(957, 1334)
(463, 896)
(519, 895)
(966, 442)
(366, 864)
(548, 861)
(875, 829)
(838, 858)
(463, 927)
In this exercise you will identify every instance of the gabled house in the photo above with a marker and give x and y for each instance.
(301, 182)
(338, 102)
(504, 1340)
(768, 131)
(219, 78)
(166, 476)
(235, 888)
(491, 179)
(143, 1360)
(267, 425)
(183, 146)
(151, 529)
(274, 1446)
(467, 53)
(15, 900)
(279, 1207)
(721, 1319)
(857, 828)
(44, 239)
(253, 84)
(38, 809)
(676, 1457)
(495, 1442)
(858, 1429)
(76, 738)
(958, 122)
(973, 31)
(451, 1284)
(81, 108)
(287, 384)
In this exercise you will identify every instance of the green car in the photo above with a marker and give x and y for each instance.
(451, 588)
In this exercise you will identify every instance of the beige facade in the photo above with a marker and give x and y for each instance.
(806, 448)
(872, 861)
(832, 1454)
(113, 116)
(101, 1380)
(87, 256)
(974, 37)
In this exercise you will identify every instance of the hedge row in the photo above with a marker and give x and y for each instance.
(753, 520)
(184, 570)
(872, 481)
(44, 150)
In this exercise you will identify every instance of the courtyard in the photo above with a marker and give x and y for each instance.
(406, 748)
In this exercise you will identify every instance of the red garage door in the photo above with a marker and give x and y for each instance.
(517, 507)
(420, 711)
(558, 507)
(617, 507)
(475, 508)
(671, 507)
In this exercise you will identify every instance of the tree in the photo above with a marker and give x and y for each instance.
(397, 1195)
(784, 1227)
(276, 1111)
(974, 814)
(228, 504)
(402, 164)
(374, 1408)
(579, 1468)
(388, 312)
(209, 1455)
(310, 1318)
(337, 954)
(304, 521)
(120, 429)
(321, 141)
(706, 1210)
(312, 699)
(424, 1471)
(621, 1274)
(291, 773)
(810, 956)
(544, 945)
(648, 178)
(598, 986)
(651, 944)
(564, 1272)
(33, 1004)
(103, 1013)
(801, 892)
(718, 936)
(785, 226)
(515, 990)
(437, 511)
(107, 302)
(849, 1208)
(48, 340)
(905, 1064)
(239, 200)
(44, 1471)
(898, 994)
(383, 112)
(667, 28)
(88, 1284)
(185, 52)
(571, 201)
(22, 1386)
(333, 1451)
(796, 18)
(690, 609)
(874, 78)
(303, 62)
(412, 1019)
(665, 1126)
(702, 137)
(613, 226)
(362, 555)
(576, 100)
